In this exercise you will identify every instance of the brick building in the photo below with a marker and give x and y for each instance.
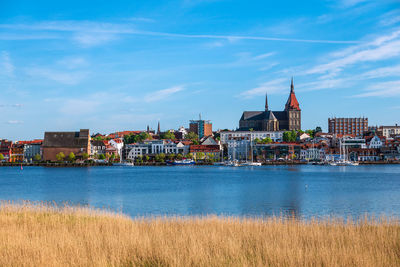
(354, 126)
(66, 142)
(201, 127)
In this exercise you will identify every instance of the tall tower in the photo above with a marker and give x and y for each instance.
(158, 128)
(293, 110)
(266, 102)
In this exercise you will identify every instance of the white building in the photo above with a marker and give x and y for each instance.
(313, 154)
(118, 144)
(389, 131)
(250, 135)
(375, 142)
(183, 131)
(154, 147)
(238, 149)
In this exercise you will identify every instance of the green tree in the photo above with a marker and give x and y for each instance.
(171, 156)
(112, 157)
(71, 157)
(179, 156)
(1, 157)
(310, 133)
(37, 157)
(200, 155)
(139, 159)
(318, 129)
(266, 140)
(168, 135)
(147, 158)
(85, 156)
(189, 156)
(257, 141)
(160, 157)
(60, 156)
(102, 156)
(192, 137)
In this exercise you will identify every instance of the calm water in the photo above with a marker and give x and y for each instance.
(305, 191)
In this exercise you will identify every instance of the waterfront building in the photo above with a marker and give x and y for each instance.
(390, 131)
(353, 126)
(313, 151)
(154, 147)
(239, 149)
(98, 147)
(66, 142)
(267, 120)
(5, 149)
(276, 151)
(201, 127)
(225, 136)
(31, 149)
(17, 153)
(118, 144)
(206, 151)
(375, 142)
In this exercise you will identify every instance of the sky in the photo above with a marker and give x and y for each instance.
(122, 65)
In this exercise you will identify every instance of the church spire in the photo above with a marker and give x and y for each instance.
(292, 86)
(292, 102)
(158, 128)
(266, 102)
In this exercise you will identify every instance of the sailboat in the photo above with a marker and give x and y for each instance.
(251, 162)
(343, 158)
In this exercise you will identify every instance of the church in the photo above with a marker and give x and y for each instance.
(287, 120)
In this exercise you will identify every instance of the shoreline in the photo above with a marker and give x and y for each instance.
(80, 165)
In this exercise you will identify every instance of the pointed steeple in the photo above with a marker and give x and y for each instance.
(292, 102)
(266, 102)
(291, 86)
(158, 128)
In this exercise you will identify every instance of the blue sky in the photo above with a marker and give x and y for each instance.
(121, 65)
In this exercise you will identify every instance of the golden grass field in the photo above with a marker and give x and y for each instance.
(43, 235)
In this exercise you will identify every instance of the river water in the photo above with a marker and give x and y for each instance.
(304, 191)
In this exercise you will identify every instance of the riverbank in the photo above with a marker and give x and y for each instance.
(38, 235)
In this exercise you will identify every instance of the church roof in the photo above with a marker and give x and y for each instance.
(292, 102)
(264, 115)
(253, 115)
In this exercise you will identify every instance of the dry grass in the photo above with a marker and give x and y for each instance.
(39, 235)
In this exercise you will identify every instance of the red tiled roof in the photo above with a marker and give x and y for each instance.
(36, 141)
(292, 102)
(204, 148)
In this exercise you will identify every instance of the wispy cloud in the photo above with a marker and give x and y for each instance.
(270, 87)
(87, 31)
(68, 78)
(6, 64)
(14, 122)
(262, 56)
(381, 48)
(11, 105)
(382, 89)
(73, 62)
(351, 3)
(390, 18)
(163, 94)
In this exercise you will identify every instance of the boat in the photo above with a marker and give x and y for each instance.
(343, 160)
(249, 163)
(123, 164)
(183, 162)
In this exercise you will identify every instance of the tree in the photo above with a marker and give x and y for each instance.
(192, 136)
(168, 135)
(60, 156)
(139, 159)
(71, 157)
(37, 157)
(160, 157)
(189, 156)
(147, 158)
(171, 156)
(290, 136)
(102, 156)
(257, 141)
(266, 140)
(85, 156)
(310, 133)
(179, 156)
(112, 157)
(200, 155)
(318, 129)
(1, 157)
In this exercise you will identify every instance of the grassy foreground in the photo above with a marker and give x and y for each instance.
(40, 235)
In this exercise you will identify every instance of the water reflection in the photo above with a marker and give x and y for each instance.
(300, 191)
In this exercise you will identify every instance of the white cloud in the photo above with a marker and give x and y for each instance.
(383, 47)
(382, 89)
(163, 94)
(6, 65)
(262, 56)
(381, 72)
(69, 78)
(92, 33)
(73, 62)
(270, 87)
(14, 122)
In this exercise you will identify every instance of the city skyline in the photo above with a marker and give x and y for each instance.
(122, 67)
